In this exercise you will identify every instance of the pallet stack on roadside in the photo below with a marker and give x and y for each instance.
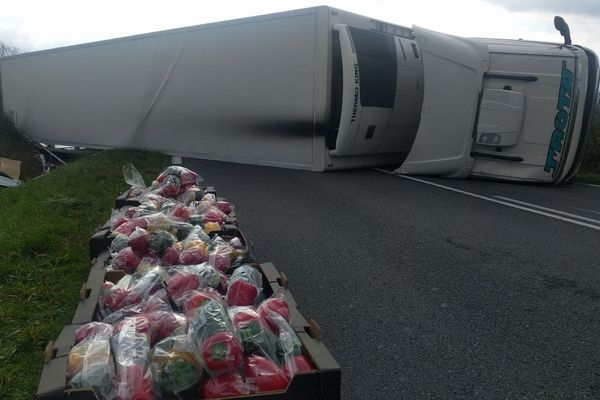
(322, 382)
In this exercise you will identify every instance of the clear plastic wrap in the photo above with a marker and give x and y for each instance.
(170, 256)
(169, 187)
(159, 241)
(190, 194)
(184, 278)
(193, 299)
(166, 323)
(90, 366)
(126, 260)
(244, 287)
(131, 348)
(98, 330)
(117, 219)
(213, 336)
(221, 254)
(264, 374)
(287, 344)
(155, 302)
(176, 370)
(118, 243)
(225, 385)
(206, 202)
(181, 213)
(213, 214)
(222, 353)
(132, 177)
(131, 289)
(277, 304)
(225, 206)
(253, 331)
(186, 176)
(138, 241)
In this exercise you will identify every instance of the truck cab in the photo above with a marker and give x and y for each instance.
(502, 109)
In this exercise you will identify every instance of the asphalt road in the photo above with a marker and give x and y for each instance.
(427, 292)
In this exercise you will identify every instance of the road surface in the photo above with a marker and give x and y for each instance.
(434, 288)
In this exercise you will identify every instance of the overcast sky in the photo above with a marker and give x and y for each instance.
(35, 25)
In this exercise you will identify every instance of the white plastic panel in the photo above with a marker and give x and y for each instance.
(454, 70)
(500, 117)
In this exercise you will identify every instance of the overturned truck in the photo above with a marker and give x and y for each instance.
(319, 89)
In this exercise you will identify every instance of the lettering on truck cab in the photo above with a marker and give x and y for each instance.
(356, 93)
(561, 119)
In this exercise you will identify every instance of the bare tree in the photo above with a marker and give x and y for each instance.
(7, 50)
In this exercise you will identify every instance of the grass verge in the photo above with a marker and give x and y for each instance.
(589, 178)
(45, 226)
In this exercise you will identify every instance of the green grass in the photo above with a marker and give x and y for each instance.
(589, 178)
(45, 226)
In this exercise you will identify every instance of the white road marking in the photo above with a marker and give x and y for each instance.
(492, 200)
(590, 211)
(523, 203)
(591, 184)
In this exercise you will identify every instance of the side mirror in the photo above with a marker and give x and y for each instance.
(563, 28)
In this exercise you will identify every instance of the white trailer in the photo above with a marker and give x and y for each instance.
(318, 89)
(255, 90)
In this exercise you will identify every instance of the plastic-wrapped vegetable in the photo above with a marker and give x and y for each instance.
(118, 243)
(189, 301)
(183, 230)
(164, 324)
(225, 385)
(303, 364)
(138, 241)
(117, 219)
(221, 255)
(255, 335)
(131, 347)
(126, 260)
(224, 206)
(170, 256)
(175, 368)
(90, 366)
(210, 227)
(183, 278)
(207, 201)
(157, 302)
(264, 374)
(131, 289)
(287, 345)
(190, 194)
(244, 286)
(169, 187)
(186, 176)
(213, 335)
(98, 330)
(195, 254)
(277, 304)
(213, 214)
(222, 353)
(159, 241)
(180, 213)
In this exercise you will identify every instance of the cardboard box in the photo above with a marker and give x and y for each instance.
(323, 383)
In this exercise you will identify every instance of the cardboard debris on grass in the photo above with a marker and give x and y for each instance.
(11, 168)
